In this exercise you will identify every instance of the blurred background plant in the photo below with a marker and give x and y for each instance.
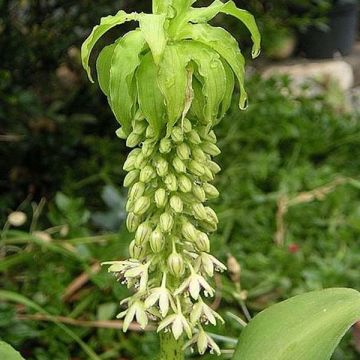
(290, 188)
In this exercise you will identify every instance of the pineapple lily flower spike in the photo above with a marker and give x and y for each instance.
(168, 83)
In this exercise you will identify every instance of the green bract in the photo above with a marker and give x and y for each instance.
(168, 83)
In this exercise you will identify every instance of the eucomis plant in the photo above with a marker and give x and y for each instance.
(168, 83)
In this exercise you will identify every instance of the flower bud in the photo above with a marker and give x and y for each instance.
(212, 137)
(198, 155)
(210, 148)
(194, 137)
(170, 182)
(129, 205)
(140, 161)
(176, 264)
(196, 168)
(199, 211)
(208, 175)
(166, 222)
(186, 125)
(147, 174)
(212, 217)
(135, 252)
(143, 233)
(157, 241)
(208, 226)
(160, 198)
(199, 192)
(136, 191)
(210, 191)
(214, 167)
(131, 177)
(139, 127)
(202, 242)
(184, 183)
(177, 134)
(176, 204)
(183, 151)
(132, 222)
(150, 133)
(121, 134)
(178, 165)
(133, 140)
(148, 147)
(142, 205)
(161, 166)
(206, 134)
(165, 146)
(17, 218)
(129, 163)
(189, 231)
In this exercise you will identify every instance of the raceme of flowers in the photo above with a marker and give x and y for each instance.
(169, 82)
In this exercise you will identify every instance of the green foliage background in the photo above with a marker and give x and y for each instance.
(58, 143)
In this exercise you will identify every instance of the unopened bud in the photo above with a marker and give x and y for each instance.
(135, 251)
(214, 167)
(210, 148)
(198, 154)
(184, 183)
(139, 127)
(189, 231)
(136, 191)
(179, 165)
(148, 148)
(170, 182)
(133, 140)
(176, 264)
(176, 204)
(183, 151)
(157, 241)
(234, 269)
(129, 163)
(210, 191)
(132, 222)
(120, 133)
(186, 125)
(161, 166)
(131, 178)
(199, 211)
(160, 198)
(166, 222)
(208, 226)
(212, 217)
(177, 134)
(202, 242)
(143, 233)
(194, 137)
(140, 161)
(208, 175)
(165, 146)
(206, 134)
(147, 174)
(129, 205)
(199, 192)
(196, 168)
(142, 205)
(150, 133)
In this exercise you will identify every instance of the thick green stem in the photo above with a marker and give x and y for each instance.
(171, 349)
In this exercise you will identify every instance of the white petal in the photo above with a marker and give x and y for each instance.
(186, 327)
(194, 288)
(206, 286)
(141, 317)
(209, 314)
(177, 327)
(164, 303)
(129, 317)
(166, 322)
(202, 342)
(182, 287)
(213, 345)
(196, 312)
(152, 299)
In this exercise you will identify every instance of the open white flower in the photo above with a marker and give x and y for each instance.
(209, 263)
(137, 310)
(204, 313)
(178, 324)
(203, 341)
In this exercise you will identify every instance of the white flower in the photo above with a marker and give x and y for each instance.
(203, 312)
(193, 284)
(203, 341)
(209, 263)
(178, 323)
(137, 310)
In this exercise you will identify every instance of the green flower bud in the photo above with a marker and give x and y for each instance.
(212, 217)
(178, 165)
(176, 204)
(150, 133)
(186, 125)
(183, 151)
(161, 166)
(202, 242)
(166, 222)
(142, 205)
(189, 231)
(131, 178)
(135, 252)
(198, 155)
(184, 184)
(210, 148)
(208, 226)
(157, 241)
(133, 140)
(132, 221)
(177, 134)
(160, 198)
(170, 182)
(136, 191)
(121, 134)
(147, 174)
(210, 191)
(139, 127)
(196, 168)
(212, 137)
(129, 205)
(199, 192)
(148, 148)
(208, 175)
(140, 161)
(129, 163)
(194, 137)
(165, 146)
(143, 233)
(176, 264)
(199, 211)
(206, 134)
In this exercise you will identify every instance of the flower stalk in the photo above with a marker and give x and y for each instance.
(169, 82)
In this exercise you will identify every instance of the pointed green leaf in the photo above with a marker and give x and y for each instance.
(230, 84)
(224, 44)
(160, 6)
(152, 27)
(125, 61)
(106, 23)
(9, 353)
(151, 100)
(172, 80)
(103, 64)
(305, 327)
